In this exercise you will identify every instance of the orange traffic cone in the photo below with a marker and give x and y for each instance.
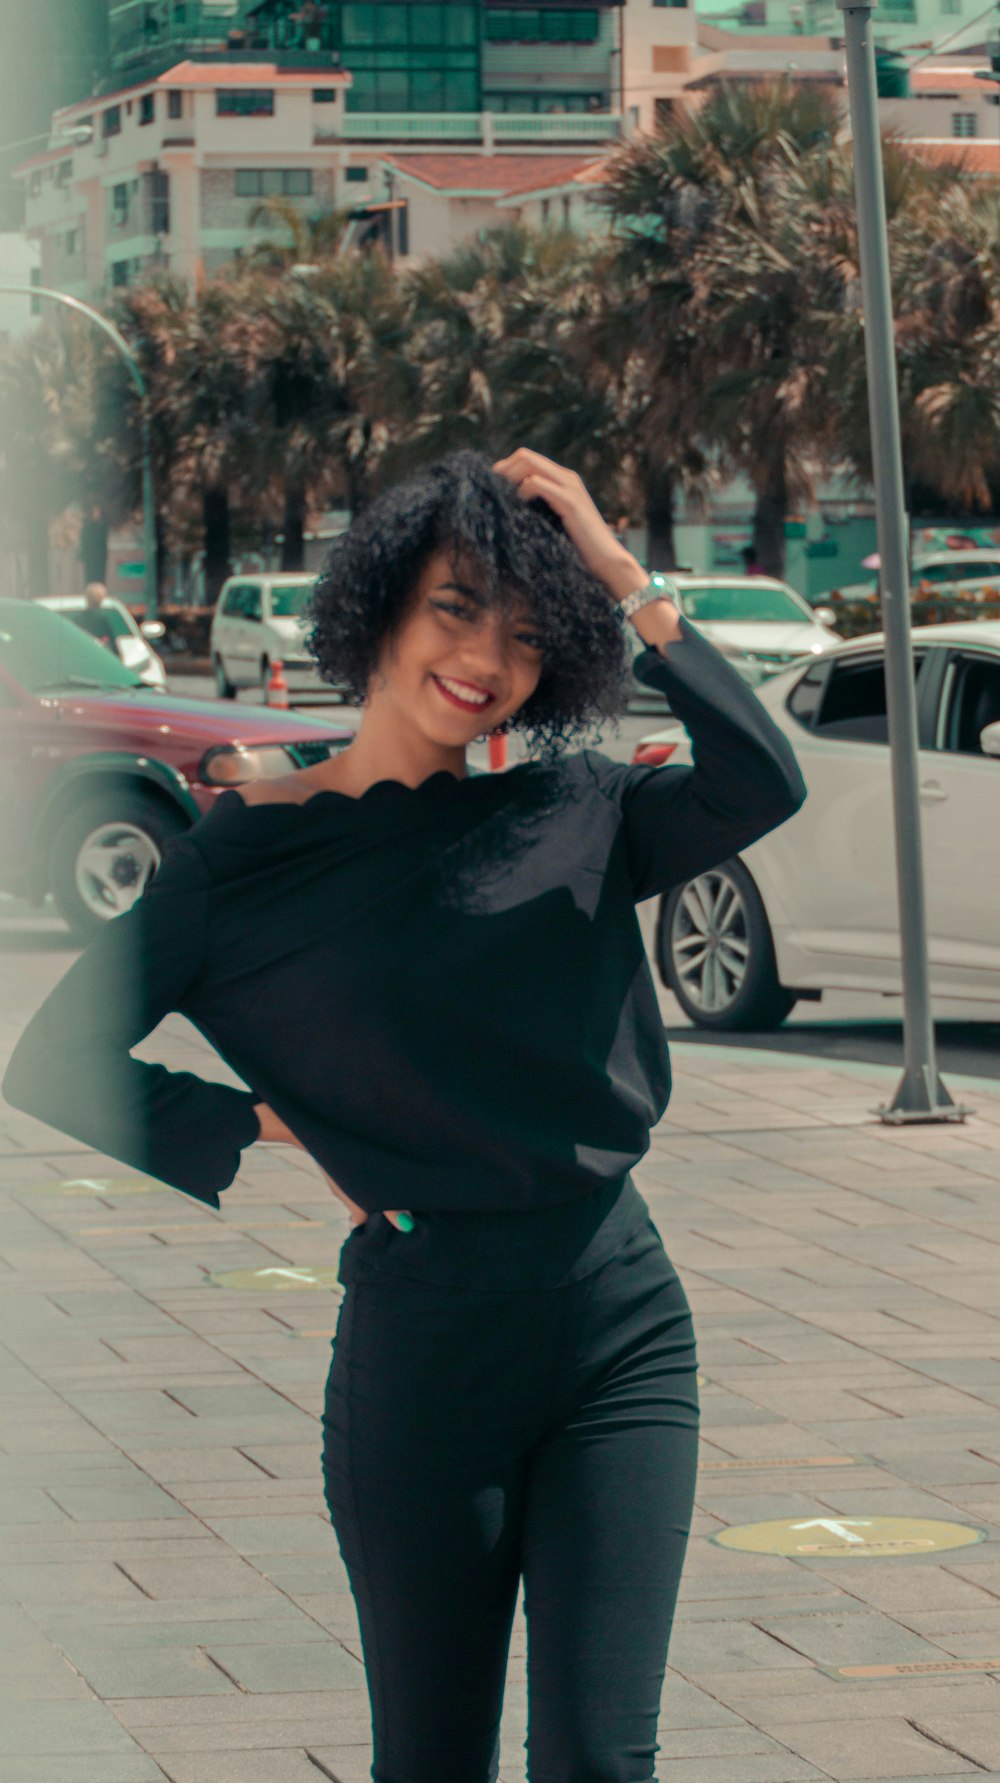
(277, 687)
(497, 748)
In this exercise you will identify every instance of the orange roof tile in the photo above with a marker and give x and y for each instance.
(973, 157)
(499, 175)
(247, 74)
(942, 79)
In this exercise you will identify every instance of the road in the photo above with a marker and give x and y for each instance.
(844, 1026)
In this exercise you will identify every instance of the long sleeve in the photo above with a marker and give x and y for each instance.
(745, 781)
(72, 1066)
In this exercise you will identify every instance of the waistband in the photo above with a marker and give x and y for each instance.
(546, 1247)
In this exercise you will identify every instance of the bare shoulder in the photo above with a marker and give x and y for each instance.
(288, 789)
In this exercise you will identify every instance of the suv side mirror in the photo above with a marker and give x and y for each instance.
(989, 738)
(152, 628)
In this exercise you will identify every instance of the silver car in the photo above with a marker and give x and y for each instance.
(760, 623)
(131, 637)
(260, 619)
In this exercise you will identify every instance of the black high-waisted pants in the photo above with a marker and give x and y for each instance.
(513, 1395)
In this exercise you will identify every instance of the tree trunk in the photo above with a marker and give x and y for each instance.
(37, 530)
(215, 520)
(293, 544)
(94, 545)
(658, 495)
(769, 522)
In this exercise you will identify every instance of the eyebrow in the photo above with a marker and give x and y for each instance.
(473, 594)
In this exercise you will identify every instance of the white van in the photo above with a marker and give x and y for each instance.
(260, 619)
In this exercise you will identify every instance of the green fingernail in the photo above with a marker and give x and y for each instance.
(405, 1222)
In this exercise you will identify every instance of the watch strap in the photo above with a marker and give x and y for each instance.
(659, 587)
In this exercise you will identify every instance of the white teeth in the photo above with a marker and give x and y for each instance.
(463, 693)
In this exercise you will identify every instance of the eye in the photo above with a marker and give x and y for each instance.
(461, 611)
(533, 639)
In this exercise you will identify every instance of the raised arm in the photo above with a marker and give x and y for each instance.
(72, 1066)
(745, 781)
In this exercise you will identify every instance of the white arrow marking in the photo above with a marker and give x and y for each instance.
(838, 1527)
(298, 1275)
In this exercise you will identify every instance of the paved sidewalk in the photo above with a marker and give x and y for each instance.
(172, 1600)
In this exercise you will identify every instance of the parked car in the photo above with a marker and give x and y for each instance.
(260, 619)
(98, 770)
(965, 573)
(757, 621)
(131, 637)
(813, 907)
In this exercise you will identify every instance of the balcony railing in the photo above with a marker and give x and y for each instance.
(475, 126)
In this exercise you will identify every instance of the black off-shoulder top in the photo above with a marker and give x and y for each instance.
(442, 989)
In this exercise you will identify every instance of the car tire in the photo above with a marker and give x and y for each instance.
(731, 985)
(104, 852)
(223, 686)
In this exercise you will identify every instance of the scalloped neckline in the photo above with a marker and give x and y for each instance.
(435, 782)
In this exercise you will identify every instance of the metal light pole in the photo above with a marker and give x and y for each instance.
(117, 340)
(920, 1095)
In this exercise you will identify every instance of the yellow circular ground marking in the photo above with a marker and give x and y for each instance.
(856, 1538)
(702, 1382)
(97, 1187)
(279, 1278)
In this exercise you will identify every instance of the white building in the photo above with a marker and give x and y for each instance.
(20, 264)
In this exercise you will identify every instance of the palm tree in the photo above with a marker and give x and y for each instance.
(719, 309)
(301, 240)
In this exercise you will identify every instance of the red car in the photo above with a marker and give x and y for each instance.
(99, 770)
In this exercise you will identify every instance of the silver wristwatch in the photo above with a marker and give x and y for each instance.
(659, 587)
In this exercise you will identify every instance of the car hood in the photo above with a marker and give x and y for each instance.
(290, 627)
(756, 634)
(169, 715)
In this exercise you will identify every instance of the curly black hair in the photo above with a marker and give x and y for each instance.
(521, 550)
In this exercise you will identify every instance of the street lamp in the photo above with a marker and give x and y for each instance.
(74, 136)
(920, 1095)
(121, 344)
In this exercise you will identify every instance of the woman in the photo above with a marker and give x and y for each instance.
(435, 984)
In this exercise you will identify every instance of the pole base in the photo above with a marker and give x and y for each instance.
(920, 1096)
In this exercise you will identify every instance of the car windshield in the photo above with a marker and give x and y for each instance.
(41, 648)
(117, 623)
(290, 601)
(723, 602)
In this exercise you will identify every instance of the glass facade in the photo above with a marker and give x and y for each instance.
(550, 24)
(411, 57)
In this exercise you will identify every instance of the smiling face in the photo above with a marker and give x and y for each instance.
(455, 667)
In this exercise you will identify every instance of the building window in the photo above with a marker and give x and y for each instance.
(159, 201)
(273, 182)
(417, 58)
(566, 207)
(964, 123)
(34, 183)
(557, 24)
(244, 102)
(530, 102)
(324, 95)
(952, 7)
(175, 104)
(111, 121)
(120, 270)
(403, 228)
(119, 205)
(356, 176)
(63, 173)
(71, 239)
(147, 108)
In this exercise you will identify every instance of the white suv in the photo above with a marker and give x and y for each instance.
(260, 619)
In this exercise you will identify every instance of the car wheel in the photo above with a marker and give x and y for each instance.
(104, 852)
(715, 952)
(223, 686)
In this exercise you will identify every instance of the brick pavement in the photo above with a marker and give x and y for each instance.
(172, 1600)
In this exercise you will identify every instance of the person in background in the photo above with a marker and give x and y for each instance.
(751, 567)
(96, 617)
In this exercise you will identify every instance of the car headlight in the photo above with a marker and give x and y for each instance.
(230, 764)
